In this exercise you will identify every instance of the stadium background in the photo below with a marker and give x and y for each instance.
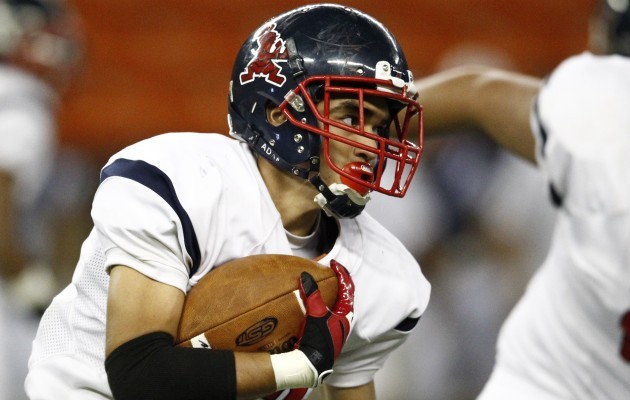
(161, 65)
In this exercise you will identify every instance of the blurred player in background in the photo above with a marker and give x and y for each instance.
(569, 335)
(39, 54)
(312, 96)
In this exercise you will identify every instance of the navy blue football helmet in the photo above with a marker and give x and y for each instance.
(304, 57)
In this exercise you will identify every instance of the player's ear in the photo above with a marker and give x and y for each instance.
(274, 116)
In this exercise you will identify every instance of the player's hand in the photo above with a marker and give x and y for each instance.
(324, 331)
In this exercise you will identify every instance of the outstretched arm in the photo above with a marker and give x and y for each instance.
(494, 101)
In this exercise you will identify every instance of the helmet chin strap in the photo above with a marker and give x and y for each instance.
(338, 200)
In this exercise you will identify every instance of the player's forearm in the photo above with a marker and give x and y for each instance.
(447, 99)
(254, 375)
(505, 110)
(495, 102)
(150, 367)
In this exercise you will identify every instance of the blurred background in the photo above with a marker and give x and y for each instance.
(156, 66)
(476, 218)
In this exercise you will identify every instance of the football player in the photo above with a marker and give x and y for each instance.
(39, 53)
(312, 96)
(569, 335)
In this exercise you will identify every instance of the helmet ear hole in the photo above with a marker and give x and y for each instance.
(274, 115)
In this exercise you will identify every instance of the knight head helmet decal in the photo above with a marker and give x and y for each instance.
(271, 51)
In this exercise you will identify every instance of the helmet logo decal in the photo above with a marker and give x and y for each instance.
(271, 51)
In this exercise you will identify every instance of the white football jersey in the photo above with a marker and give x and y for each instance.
(175, 206)
(563, 339)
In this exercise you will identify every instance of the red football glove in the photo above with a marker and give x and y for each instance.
(324, 331)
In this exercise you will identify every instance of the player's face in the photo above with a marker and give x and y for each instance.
(347, 112)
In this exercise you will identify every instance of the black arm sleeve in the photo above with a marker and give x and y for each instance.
(151, 367)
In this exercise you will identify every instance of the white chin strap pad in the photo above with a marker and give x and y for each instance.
(341, 190)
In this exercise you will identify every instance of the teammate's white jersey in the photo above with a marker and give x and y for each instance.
(173, 207)
(563, 339)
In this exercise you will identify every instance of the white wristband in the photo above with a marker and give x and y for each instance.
(293, 370)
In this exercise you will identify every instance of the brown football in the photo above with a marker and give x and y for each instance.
(251, 304)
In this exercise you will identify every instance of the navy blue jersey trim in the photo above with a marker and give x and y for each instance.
(541, 128)
(407, 324)
(556, 197)
(156, 180)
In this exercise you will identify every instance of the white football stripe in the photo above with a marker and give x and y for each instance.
(200, 342)
(296, 292)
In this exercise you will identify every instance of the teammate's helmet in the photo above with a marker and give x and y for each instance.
(41, 36)
(613, 24)
(308, 55)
